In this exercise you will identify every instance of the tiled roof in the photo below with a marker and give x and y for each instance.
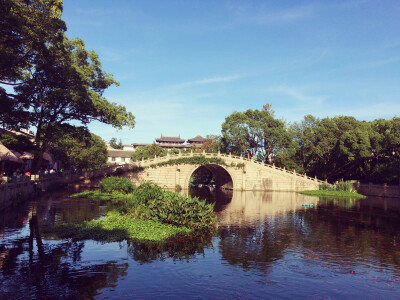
(120, 153)
(170, 139)
(197, 139)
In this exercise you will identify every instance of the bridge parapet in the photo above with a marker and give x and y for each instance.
(156, 160)
(247, 174)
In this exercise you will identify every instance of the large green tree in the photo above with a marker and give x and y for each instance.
(148, 151)
(385, 142)
(57, 80)
(26, 29)
(211, 143)
(116, 145)
(333, 148)
(256, 133)
(76, 146)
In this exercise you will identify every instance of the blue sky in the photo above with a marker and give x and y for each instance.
(183, 66)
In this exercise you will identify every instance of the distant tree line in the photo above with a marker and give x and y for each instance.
(330, 148)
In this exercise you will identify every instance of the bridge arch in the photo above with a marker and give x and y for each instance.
(223, 179)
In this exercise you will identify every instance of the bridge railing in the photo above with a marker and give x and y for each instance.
(155, 160)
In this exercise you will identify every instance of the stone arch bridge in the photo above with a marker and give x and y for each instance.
(234, 172)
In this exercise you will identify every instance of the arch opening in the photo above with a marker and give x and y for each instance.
(211, 175)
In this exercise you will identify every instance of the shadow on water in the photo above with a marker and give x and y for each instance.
(35, 265)
(220, 197)
(32, 267)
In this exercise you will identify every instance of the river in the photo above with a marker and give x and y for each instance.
(266, 245)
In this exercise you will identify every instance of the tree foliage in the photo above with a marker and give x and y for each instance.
(211, 144)
(148, 151)
(16, 142)
(55, 79)
(255, 133)
(116, 145)
(330, 148)
(76, 146)
(345, 148)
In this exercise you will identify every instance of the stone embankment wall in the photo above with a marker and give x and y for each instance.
(246, 174)
(379, 190)
(12, 191)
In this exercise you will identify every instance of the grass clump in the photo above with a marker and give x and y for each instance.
(117, 227)
(150, 202)
(97, 195)
(336, 194)
(339, 189)
(195, 160)
(116, 184)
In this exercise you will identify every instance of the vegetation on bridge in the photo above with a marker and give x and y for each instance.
(194, 160)
(145, 212)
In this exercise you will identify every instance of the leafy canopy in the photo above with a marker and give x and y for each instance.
(55, 80)
(77, 147)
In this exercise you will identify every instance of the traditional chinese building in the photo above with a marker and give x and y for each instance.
(198, 141)
(169, 142)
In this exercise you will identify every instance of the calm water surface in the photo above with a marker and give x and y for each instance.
(266, 245)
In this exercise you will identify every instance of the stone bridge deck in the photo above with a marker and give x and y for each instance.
(236, 173)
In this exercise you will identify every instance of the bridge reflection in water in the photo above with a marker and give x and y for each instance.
(245, 207)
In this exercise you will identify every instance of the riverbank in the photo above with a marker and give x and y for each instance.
(335, 194)
(17, 190)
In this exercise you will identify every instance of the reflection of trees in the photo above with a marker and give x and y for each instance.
(215, 195)
(328, 233)
(355, 234)
(180, 248)
(33, 268)
(15, 217)
(250, 247)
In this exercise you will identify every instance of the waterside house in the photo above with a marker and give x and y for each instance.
(119, 157)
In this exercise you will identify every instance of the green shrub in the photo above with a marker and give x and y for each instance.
(240, 166)
(325, 187)
(345, 186)
(116, 184)
(150, 202)
(177, 210)
(147, 192)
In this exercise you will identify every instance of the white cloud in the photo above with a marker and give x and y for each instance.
(297, 94)
(210, 80)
